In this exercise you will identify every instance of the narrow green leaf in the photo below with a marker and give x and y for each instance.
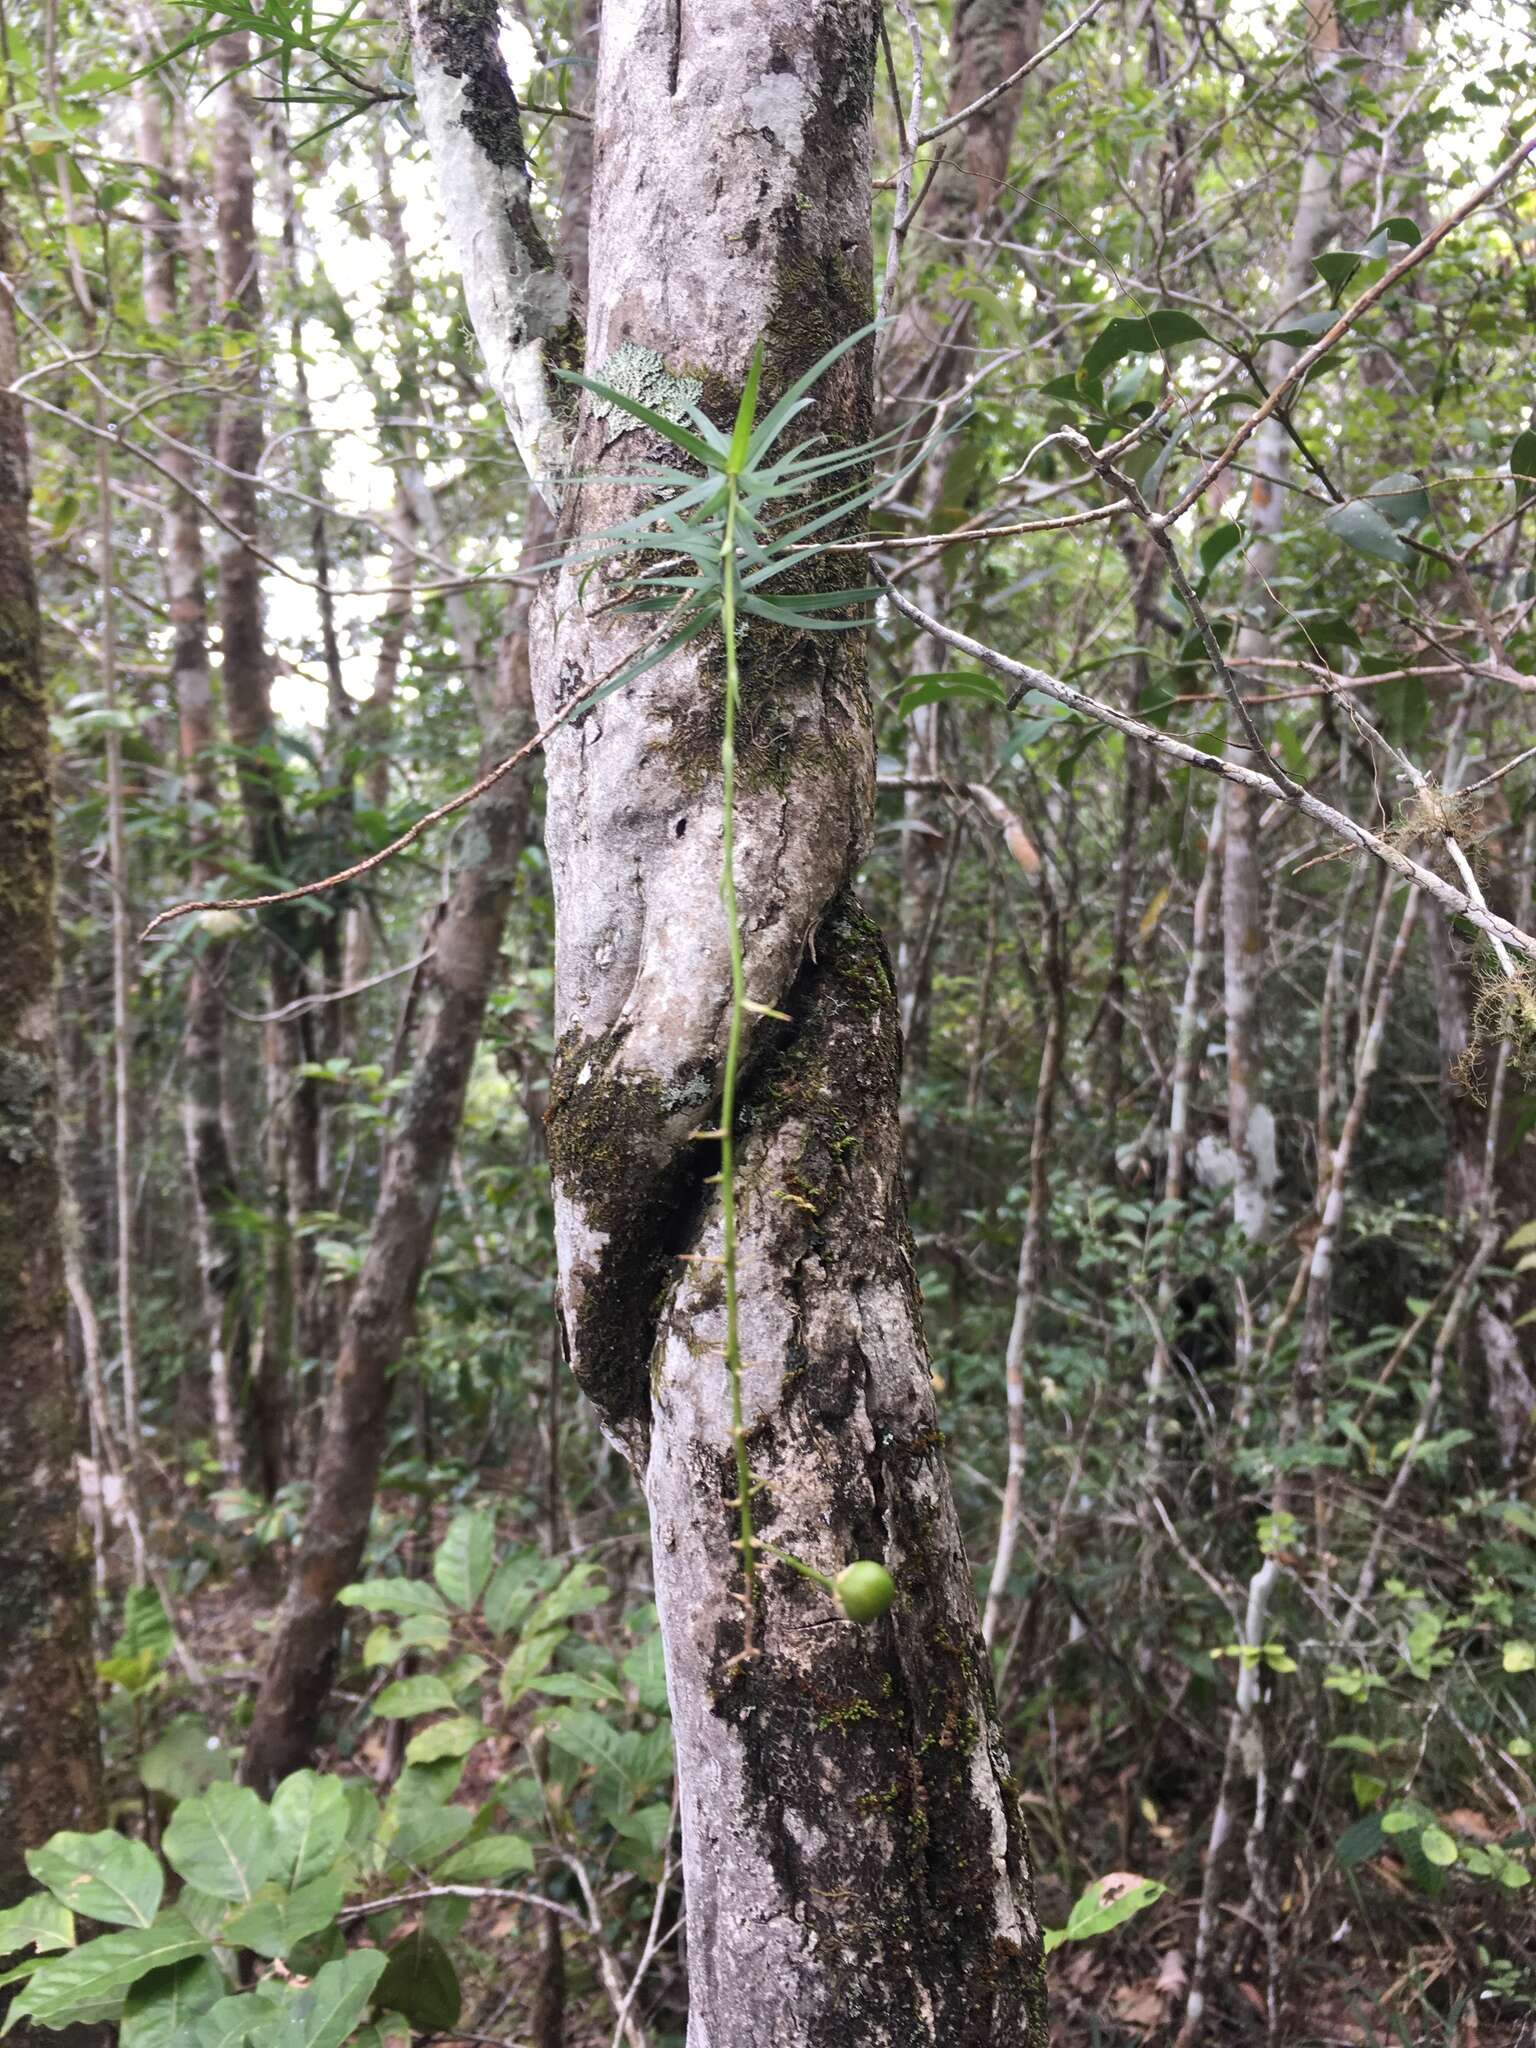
(746, 412)
(680, 437)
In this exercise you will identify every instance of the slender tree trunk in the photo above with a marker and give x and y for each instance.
(456, 985)
(854, 1854)
(927, 356)
(50, 1763)
(210, 1163)
(1032, 1245)
(1250, 1122)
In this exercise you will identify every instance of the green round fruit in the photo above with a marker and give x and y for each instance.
(864, 1590)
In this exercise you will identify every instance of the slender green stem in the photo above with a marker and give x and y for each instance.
(748, 1542)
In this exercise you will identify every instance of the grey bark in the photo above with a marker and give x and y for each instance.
(854, 1854)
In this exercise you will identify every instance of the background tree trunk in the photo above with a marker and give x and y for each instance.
(50, 1764)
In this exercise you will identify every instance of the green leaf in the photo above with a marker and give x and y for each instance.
(309, 1818)
(1358, 1844)
(104, 1876)
(1438, 1847)
(422, 1693)
(230, 2022)
(466, 1556)
(39, 1922)
(90, 1982)
(519, 1580)
(1520, 1656)
(420, 1982)
(648, 1825)
(1400, 499)
(185, 1760)
(528, 1662)
(1096, 1914)
(146, 1627)
(582, 1588)
(161, 2009)
(393, 1596)
(276, 1921)
(445, 1738)
(1158, 332)
(224, 1842)
(789, 404)
(1362, 527)
(741, 433)
(1337, 266)
(969, 686)
(331, 2007)
(487, 1860)
(1216, 546)
(1522, 458)
(1301, 331)
(646, 1670)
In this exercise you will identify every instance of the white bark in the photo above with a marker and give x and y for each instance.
(519, 301)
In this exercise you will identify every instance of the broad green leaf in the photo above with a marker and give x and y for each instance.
(455, 1737)
(1106, 1903)
(420, 1982)
(518, 1582)
(583, 1587)
(146, 1628)
(528, 1662)
(230, 2022)
(959, 686)
(104, 1876)
(393, 1596)
(186, 1759)
(1400, 499)
(223, 1842)
(646, 1670)
(422, 1693)
(90, 1982)
(1519, 1240)
(466, 1556)
(647, 1825)
(309, 1817)
(276, 1921)
(1165, 329)
(1301, 331)
(1438, 1847)
(1520, 1656)
(1362, 527)
(333, 2004)
(1359, 1843)
(487, 1860)
(39, 1922)
(161, 2009)
(1217, 545)
(1522, 458)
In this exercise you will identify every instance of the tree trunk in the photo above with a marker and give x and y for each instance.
(855, 1858)
(50, 1763)
(927, 356)
(457, 985)
(210, 1163)
(458, 981)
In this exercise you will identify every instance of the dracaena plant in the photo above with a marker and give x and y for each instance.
(711, 551)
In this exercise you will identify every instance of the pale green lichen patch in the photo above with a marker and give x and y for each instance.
(640, 373)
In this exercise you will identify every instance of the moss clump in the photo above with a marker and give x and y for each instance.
(613, 1148)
